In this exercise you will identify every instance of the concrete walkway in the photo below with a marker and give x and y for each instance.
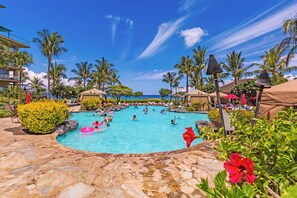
(37, 166)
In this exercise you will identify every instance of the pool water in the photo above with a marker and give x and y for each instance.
(151, 132)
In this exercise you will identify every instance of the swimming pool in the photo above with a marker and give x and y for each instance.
(150, 133)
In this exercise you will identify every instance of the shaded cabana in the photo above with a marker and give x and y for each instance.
(223, 98)
(278, 97)
(92, 93)
(198, 96)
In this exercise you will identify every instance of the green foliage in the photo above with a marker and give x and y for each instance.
(7, 100)
(119, 90)
(271, 145)
(214, 115)
(164, 92)
(91, 103)
(247, 87)
(209, 88)
(5, 113)
(63, 91)
(221, 189)
(138, 94)
(43, 116)
(290, 192)
(198, 105)
(190, 108)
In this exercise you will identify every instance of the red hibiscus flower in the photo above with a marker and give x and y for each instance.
(239, 167)
(189, 136)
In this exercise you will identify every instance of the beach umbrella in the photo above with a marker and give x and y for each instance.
(28, 97)
(232, 96)
(243, 99)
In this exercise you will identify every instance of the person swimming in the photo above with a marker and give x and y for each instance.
(134, 117)
(96, 112)
(106, 120)
(173, 121)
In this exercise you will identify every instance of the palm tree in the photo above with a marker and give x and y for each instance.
(107, 72)
(200, 64)
(36, 84)
(185, 67)
(21, 59)
(57, 72)
(50, 45)
(169, 77)
(83, 71)
(176, 82)
(290, 27)
(275, 64)
(235, 66)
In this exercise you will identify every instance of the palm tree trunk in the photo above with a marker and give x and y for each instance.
(84, 83)
(187, 81)
(201, 81)
(171, 92)
(235, 81)
(20, 85)
(48, 77)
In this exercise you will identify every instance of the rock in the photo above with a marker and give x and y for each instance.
(164, 189)
(187, 175)
(115, 192)
(76, 191)
(13, 161)
(131, 191)
(185, 188)
(201, 123)
(67, 126)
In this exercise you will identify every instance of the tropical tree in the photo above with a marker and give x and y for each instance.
(36, 84)
(199, 54)
(83, 71)
(235, 66)
(290, 27)
(50, 45)
(164, 92)
(5, 55)
(176, 82)
(20, 59)
(118, 91)
(105, 73)
(138, 94)
(185, 67)
(169, 77)
(275, 64)
(57, 72)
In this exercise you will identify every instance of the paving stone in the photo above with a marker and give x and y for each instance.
(78, 190)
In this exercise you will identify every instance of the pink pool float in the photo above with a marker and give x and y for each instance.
(87, 130)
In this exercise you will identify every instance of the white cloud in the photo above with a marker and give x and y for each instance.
(290, 76)
(32, 74)
(114, 24)
(154, 75)
(165, 31)
(187, 5)
(192, 36)
(252, 29)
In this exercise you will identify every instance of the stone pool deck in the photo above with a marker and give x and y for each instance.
(37, 166)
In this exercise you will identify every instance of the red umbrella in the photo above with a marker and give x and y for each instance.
(254, 98)
(189, 136)
(28, 97)
(243, 99)
(232, 96)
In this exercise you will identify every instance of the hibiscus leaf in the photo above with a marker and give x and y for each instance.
(219, 180)
(248, 190)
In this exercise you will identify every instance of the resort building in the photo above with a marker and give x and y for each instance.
(10, 74)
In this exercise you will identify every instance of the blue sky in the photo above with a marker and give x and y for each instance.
(145, 39)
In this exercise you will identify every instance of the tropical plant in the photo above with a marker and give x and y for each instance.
(50, 45)
(290, 27)
(36, 84)
(185, 66)
(247, 87)
(170, 77)
(176, 82)
(118, 91)
(91, 103)
(199, 54)
(275, 64)
(164, 92)
(235, 66)
(20, 59)
(83, 72)
(138, 94)
(57, 72)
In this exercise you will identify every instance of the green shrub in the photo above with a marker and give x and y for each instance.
(190, 108)
(43, 116)
(109, 104)
(91, 103)
(198, 105)
(214, 115)
(5, 113)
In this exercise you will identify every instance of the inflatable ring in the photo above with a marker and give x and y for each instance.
(87, 129)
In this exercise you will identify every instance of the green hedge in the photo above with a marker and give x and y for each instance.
(5, 113)
(43, 116)
(91, 103)
(190, 108)
(214, 115)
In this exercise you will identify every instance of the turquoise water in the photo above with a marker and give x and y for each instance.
(150, 133)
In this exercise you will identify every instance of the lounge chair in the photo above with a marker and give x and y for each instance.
(14, 116)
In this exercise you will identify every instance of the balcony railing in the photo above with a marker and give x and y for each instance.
(14, 37)
(8, 77)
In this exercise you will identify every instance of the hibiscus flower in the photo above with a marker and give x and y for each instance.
(239, 167)
(189, 136)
